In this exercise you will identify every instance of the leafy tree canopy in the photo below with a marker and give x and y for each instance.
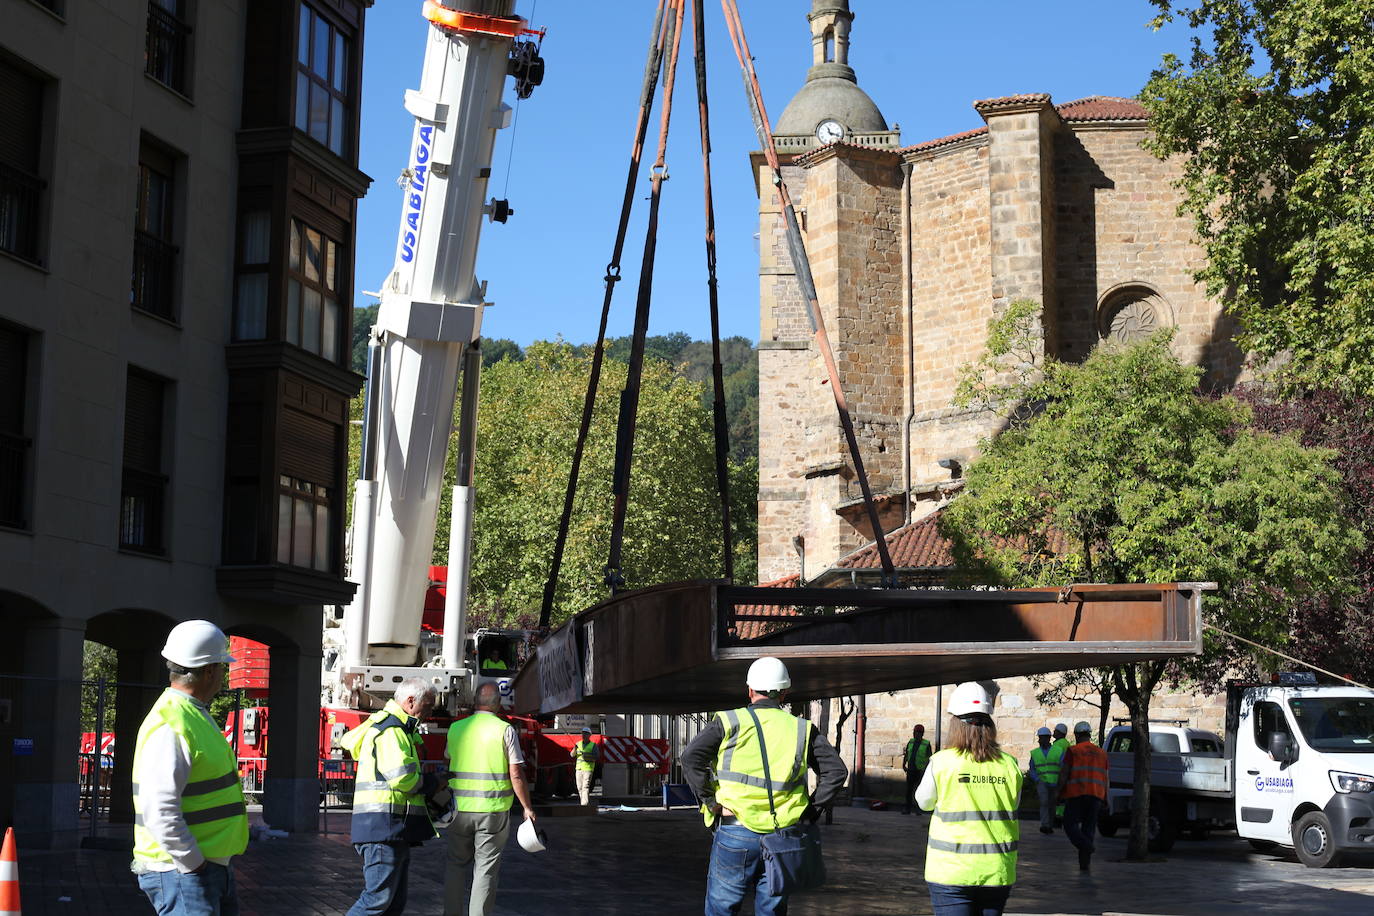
(1117, 470)
(1274, 116)
(1125, 473)
(528, 419)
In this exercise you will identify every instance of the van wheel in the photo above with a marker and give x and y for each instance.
(1163, 827)
(1314, 841)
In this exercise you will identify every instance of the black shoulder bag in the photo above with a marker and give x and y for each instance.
(792, 859)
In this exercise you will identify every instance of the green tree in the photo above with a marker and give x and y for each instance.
(363, 320)
(527, 427)
(1274, 117)
(1121, 471)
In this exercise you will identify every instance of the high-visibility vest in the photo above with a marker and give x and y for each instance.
(917, 754)
(586, 756)
(1062, 744)
(494, 664)
(212, 801)
(1046, 764)
(739, 767)
(1087, 766)
(388, 802)
(974, 832)
(481, 769)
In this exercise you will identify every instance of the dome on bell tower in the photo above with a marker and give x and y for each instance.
(831, 92)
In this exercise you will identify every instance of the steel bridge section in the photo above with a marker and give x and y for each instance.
(685, 646)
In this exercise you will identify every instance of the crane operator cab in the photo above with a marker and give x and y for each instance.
(495, 655)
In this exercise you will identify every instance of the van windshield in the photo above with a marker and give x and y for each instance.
(1341, 725)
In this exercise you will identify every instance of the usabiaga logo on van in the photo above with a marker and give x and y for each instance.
(1273, 784)
(983, 778)
(415, 195)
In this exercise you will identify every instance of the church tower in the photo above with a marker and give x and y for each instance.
(842, 167)
(830, 106)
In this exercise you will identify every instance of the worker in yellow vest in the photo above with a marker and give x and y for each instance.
(724, 767)
(585, 752)
(390, 814)
(190, 819)
(974, 788)
(915, 759)
(1045, 761)
(1061, 744)
(485, 759)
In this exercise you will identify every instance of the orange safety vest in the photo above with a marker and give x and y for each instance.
(1086, 764)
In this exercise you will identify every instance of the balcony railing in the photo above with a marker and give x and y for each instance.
(141, 511)
(14, 455)
(165, 55)
(20, 196)
(154, 275)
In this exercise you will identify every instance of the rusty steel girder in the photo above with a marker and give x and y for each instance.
(685, 646)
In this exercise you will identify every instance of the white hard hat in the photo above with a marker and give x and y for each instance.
(195, 644)
(1082, 727)
(968, 698)
(1042, 732)
(1061, 729)
(531, 838)
(768, 673)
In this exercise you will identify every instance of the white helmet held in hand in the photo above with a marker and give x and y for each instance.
(195, 644)
(531, 838)
(768, 673)
(970, 697)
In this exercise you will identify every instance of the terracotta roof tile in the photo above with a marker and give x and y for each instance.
(944, 141)
(1092, 108)
(751, 629)
(1011, 101)
(915, 546)
(1103, 108)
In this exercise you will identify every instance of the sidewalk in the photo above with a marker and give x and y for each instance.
(652, 861)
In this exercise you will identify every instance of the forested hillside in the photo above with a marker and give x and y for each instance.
(691, 358)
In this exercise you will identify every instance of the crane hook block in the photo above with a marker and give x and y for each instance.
(527, 67)
(459, 21)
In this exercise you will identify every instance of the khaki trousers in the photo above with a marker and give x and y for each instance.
(476, 839)
(584, 786)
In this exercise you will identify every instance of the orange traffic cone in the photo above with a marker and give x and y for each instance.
(9, 876)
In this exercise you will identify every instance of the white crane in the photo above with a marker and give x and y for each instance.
(428, 326)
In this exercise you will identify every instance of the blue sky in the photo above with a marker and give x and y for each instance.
(563, 164)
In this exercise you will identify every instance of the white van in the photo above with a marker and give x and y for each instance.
(1297, 770)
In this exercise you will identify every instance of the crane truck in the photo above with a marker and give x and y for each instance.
(408, 618)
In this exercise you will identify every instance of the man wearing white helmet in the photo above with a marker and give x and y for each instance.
(1083, 788)
(1045, 761)
(724, 766)
(974, 788)
(190, 818)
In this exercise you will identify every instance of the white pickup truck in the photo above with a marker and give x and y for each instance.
(1296, 770)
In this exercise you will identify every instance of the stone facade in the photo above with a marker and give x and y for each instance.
(913, 252)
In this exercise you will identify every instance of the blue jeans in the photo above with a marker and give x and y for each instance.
(386, 867)
(969, 900)
(736, 863)
(174, 893)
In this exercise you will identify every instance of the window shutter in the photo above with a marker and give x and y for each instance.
(21, 118)
(13, 375)
(307, 448)
(143, 423)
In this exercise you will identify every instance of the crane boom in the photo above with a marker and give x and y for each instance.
(429, 319)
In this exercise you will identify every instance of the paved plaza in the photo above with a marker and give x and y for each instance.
(654, 861)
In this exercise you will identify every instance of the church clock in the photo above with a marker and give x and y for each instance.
(829, 131)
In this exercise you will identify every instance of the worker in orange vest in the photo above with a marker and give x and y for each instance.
(1083, 789)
